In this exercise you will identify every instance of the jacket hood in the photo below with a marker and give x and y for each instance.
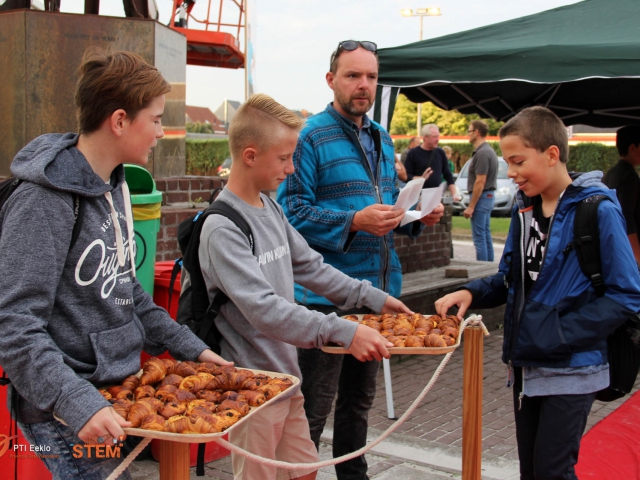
(53, 161)
(584, 185)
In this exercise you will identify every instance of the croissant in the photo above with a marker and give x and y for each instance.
(184, 396)
(414, 341)
(397, 341)
(451, 332)
(240, 407)
(388, 323)
(228, 369)
(119, 392)
(122, 407)
(449, 340)
(141, 409)
(281, 382)
(238, 379)
(168, 362)
(166, 393)
(436, 331)
(182, 424)
(254, 399)
(269, 391)
(199, 403)
(220, 422)
(171, 379)
(351, 318)
(209, 395)
(193, 383)
(454, 319)
(144, 391)
(402, 331)
(183, 369)
(208, 367)
(446, 323)
(253, 383)
(193, 365)
(153, 422)
(434, 340)
(219, 382)
(387, 333)
(131, 382)
(371, 316)
(173, 408)
(421, 332)
(105, 394)
(435, 319)
(424, 323)
(232, 395)
(372, 324)
(153, 371)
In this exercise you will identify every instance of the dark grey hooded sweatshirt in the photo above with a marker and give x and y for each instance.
(72, 319)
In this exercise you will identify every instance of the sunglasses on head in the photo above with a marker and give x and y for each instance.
(350, 45)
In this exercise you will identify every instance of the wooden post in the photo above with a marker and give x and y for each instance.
(472, 404)
(174, 461)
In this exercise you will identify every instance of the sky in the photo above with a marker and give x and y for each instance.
(295, 39)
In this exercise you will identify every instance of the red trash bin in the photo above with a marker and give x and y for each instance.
(161, 288)
(27, 468)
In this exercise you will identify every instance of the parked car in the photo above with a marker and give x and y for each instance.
(505, 191)
(225, 168)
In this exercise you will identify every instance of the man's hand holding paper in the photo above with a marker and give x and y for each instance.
(429, 210)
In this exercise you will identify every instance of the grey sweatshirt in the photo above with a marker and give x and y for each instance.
(262, 325)
(72, 319)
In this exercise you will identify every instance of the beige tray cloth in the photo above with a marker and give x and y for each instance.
(208, 437)
(402, 350)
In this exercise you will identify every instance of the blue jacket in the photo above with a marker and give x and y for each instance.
(332, 181)
(561, 322)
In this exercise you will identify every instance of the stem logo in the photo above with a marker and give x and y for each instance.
(4, 443)
(96, 451)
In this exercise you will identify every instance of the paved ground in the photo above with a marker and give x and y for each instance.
(428, 445)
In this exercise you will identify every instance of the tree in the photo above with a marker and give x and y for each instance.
(450, 122)
(197, 127)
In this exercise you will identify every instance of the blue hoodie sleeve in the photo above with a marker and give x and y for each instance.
(592, 322)
(321, 227)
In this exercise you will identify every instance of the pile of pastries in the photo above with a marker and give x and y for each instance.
(405, 330)
(190, 397)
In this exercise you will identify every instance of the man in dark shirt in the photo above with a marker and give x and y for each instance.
(624, 179)
(429, 161)
(481, 184)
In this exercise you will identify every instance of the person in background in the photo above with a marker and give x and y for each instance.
(429, 161)
(340, 199)
(413, 143)
(401, 171)
(623, 178)
(448, 152)
(481, 184)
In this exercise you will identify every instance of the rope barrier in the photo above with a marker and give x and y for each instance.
(473, 321)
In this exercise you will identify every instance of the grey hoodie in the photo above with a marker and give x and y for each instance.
(72, 319)
(262, 325)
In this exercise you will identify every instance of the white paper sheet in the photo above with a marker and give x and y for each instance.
(430, 198)
(409, 194)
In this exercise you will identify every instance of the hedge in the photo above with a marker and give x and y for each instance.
(204, 156)
(583, 157)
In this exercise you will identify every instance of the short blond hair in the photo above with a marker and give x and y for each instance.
(255, 121)
(447, 149)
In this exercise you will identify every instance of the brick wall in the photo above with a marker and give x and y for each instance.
(185, 196)
(430, 250)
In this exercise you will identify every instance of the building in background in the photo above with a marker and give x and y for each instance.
(205, 116)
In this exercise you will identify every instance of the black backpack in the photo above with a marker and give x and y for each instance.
(622, 344)
(194, 308)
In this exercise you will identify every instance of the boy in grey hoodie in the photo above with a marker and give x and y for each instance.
(74, 317)
(262, 325)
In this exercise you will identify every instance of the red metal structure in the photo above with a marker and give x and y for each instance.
(210, 47)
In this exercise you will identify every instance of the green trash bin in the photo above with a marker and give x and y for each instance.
(145, 203)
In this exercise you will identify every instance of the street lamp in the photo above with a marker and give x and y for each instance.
(421, 12)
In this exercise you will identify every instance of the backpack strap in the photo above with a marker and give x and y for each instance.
(586, 241)
(220, 207)
(177, 268)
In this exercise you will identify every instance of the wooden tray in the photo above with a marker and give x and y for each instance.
(208, 437)
(402, 350)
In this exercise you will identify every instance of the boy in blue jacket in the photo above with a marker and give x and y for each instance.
(555, 326)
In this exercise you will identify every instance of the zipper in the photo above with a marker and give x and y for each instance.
(375, 180)
(520, 397)
(510, 375)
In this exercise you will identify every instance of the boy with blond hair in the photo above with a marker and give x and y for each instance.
(261, 325)
(556, 326)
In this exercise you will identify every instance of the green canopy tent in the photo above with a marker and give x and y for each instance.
(582, 61)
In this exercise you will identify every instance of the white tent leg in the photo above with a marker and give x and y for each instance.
(386, 366)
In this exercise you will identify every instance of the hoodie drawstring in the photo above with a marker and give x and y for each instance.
(118, 230)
